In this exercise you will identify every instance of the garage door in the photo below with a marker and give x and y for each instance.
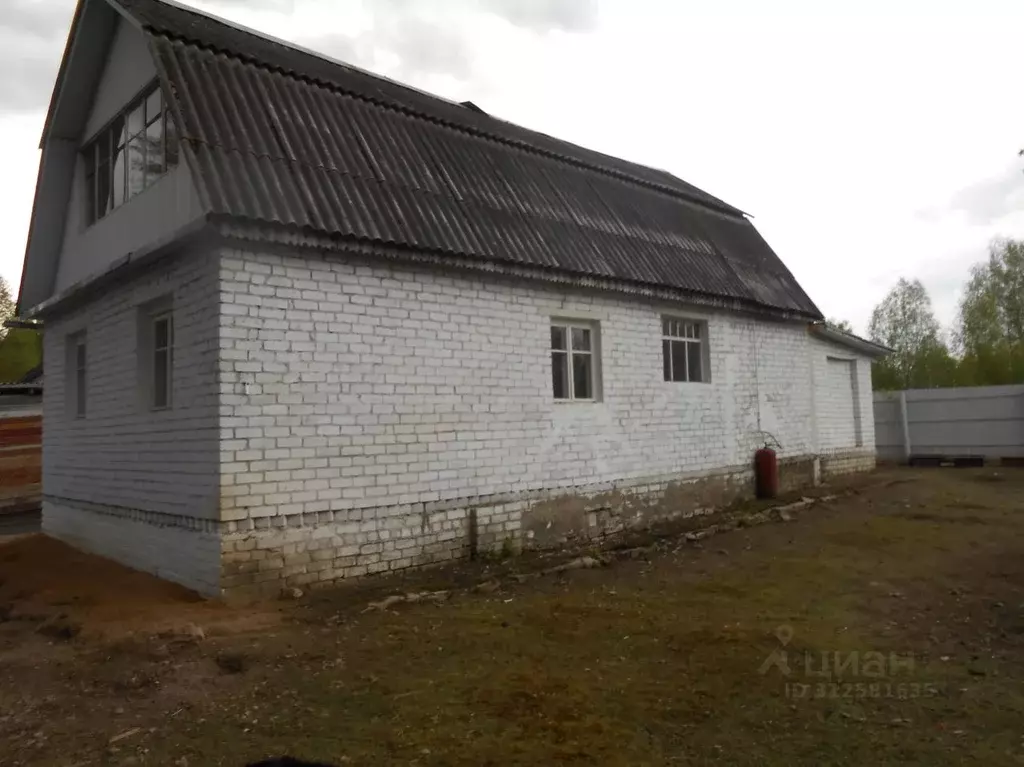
(836, 412)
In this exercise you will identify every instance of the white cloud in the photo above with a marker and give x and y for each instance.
(868, 142)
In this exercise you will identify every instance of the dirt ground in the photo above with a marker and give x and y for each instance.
(884, 625)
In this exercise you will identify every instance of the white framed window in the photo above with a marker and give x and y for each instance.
(574, 374)
(684, 350)
(162, 359)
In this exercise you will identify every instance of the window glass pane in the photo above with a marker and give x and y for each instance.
(80, 379)
(103, 148)
(117, 131)
(90, 197)
(103, 197)
(161, 364)
(580, 339)
(136, 121)
(118, 174)
(678, 360)
(666, 358)
(695, 330)
(161, 334)
(693, 362)
(136, 165)
(153, 109)
(154, 152)
(80, 392)
(560, 374)
(582, 369)
(557, 337)
(170, 141)
(89, 155)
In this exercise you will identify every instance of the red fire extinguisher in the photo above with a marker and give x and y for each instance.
(766, 472)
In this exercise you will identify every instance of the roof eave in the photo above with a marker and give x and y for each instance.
(123, 266)
(849, 340)
(275, 234)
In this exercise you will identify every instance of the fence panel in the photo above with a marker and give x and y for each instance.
(986, 421)
(21, 454)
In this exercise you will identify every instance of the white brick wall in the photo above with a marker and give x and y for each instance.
(348, 386)
(122, 461)
(334, 417)
(843, 408)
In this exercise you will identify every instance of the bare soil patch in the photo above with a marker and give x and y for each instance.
(656, 655)
(45, 581)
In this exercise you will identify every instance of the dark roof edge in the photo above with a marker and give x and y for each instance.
(17, 323)
(864, 346)
(124, 265)
(714, 203)
(266, 233)
(61, 70)
(18, 388)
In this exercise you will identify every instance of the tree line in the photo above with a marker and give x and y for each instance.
(985, 346)
(20, 350)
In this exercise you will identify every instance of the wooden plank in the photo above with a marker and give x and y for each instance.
(21, 431)
(20, 422)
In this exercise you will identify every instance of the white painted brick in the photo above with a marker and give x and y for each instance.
(375, 387)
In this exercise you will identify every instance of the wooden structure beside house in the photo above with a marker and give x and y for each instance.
(21, 445)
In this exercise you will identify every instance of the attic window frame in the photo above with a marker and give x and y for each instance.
(116, 138)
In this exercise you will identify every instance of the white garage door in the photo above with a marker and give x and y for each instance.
(837, 424)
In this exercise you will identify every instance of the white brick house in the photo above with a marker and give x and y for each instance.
(332, 326)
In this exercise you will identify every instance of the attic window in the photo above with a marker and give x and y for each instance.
(129, 155)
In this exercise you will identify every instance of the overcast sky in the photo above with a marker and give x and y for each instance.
(869, 139)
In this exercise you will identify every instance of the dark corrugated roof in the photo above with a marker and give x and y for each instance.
(279, 135)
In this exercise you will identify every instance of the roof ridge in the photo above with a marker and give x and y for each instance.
(708, 201)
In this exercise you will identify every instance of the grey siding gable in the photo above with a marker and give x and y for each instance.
(129, 68)
(156, 214)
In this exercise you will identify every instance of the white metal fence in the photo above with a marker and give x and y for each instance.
(985, 421)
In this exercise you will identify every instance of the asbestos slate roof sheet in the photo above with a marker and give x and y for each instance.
(281, 136)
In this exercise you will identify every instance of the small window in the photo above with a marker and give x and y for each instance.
(76, 374)
(163, 360)
(683, 348)
(573, 367)
(129, 155)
